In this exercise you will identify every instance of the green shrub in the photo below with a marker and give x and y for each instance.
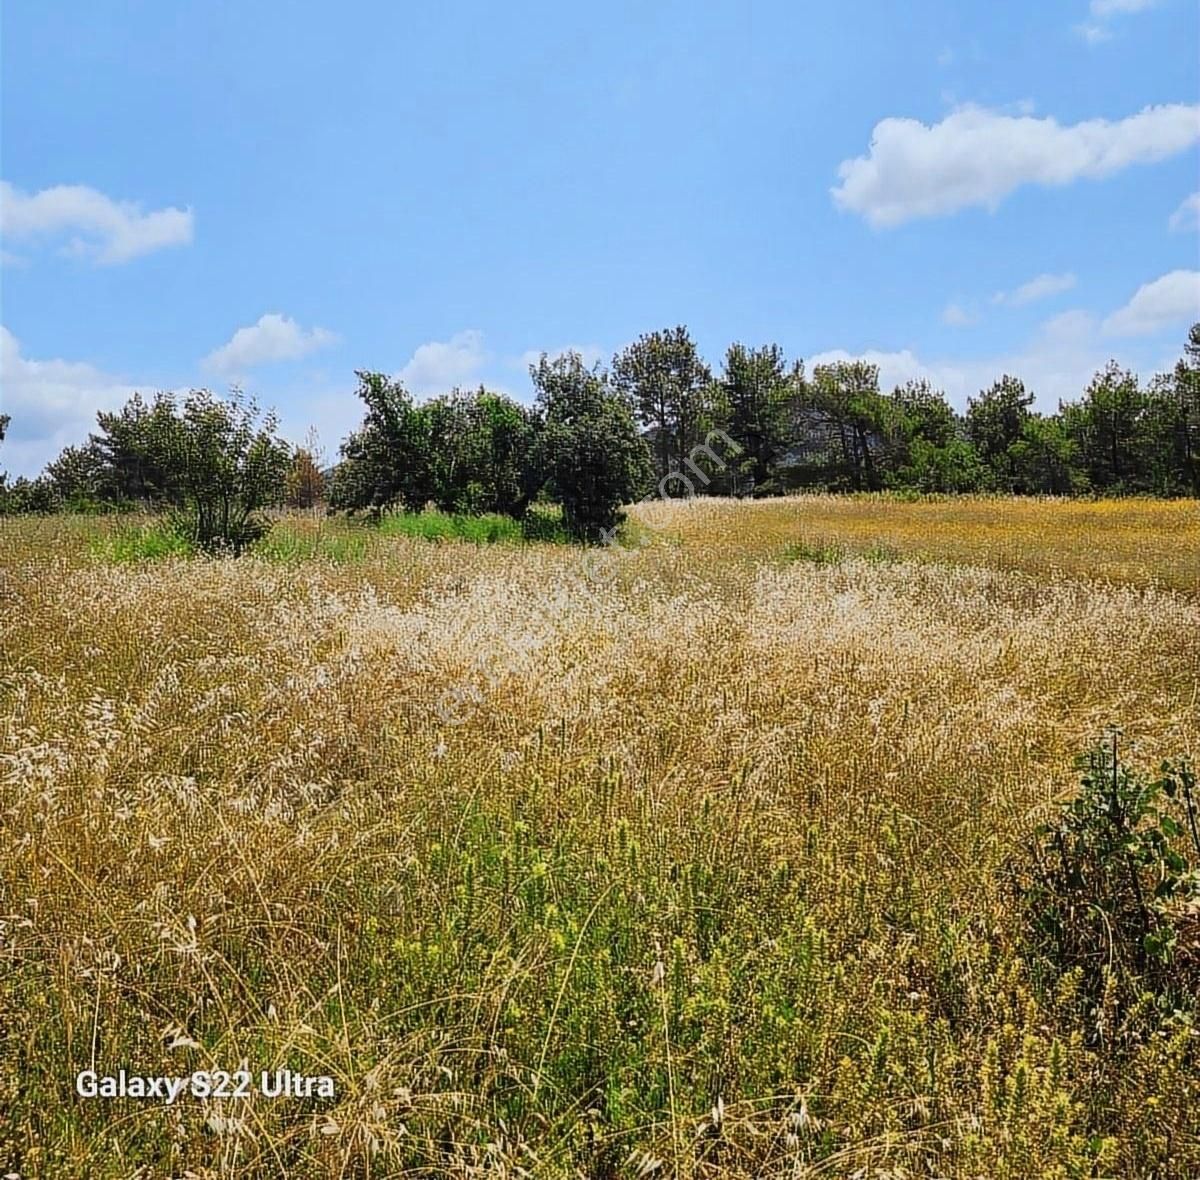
(1110, 889)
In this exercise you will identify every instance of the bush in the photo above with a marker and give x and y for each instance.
(1110, 894)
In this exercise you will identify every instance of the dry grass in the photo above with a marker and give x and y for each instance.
(707, 881)
(1130, 542)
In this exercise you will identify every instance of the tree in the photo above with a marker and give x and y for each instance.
(851, 420)
(589, 446)
(387, 460)
(922, 446)
(757, 393)
(994, 422)
(126, 449)
(305, 485)
(669, 388)
(482, 453)
(1045, 459)
(223, 466)
(1176, 412)
(4, 421)
(81, 478)
(923, 412)
(1109, 426)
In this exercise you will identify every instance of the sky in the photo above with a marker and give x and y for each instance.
(272, 196)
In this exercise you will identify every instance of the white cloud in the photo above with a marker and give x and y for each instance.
(53, 403)
(589, 353)
(440, 365)
(274, 338)
(1187, 216)
(975, 156)
(96, 226)
(957, 316)
(1166, 302)
(1041, 287)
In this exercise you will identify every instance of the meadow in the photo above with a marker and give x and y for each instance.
(692, 857)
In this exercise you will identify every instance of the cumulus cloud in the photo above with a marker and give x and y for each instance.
(440, 365)
(92, 225)
(1041, 287)
(274, 337)
(53, 403)
(977, 157)
(1187, 216)
(1167, 302)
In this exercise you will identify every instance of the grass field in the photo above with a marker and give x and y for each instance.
(688, 859)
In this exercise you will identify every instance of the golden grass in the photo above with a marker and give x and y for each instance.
(1134, 542)
(707, 880)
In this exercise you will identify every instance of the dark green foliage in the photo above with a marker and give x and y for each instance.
(1044, 460)
(385, 461)
(220, 466)
(1110, 427)
(757, 393)
(1182, 395)
(82, 479)
(850, 424)
(924, 449)
(482, 453)
(465, 452)
(589, 447)
(24, 496)
(994, 423)
(670, 389)
(129, 450)
(1108, 890)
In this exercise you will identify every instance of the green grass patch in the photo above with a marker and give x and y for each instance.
(487, 529)
(815, 552)
(824, 553)
(288, 544)
(145, 542)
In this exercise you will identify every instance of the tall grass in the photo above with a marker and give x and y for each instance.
(143, 541)
(484, 529)
(706, 877)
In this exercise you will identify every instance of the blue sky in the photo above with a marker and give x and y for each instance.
(275, 195)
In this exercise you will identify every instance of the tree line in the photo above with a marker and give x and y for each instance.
(596, 438)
